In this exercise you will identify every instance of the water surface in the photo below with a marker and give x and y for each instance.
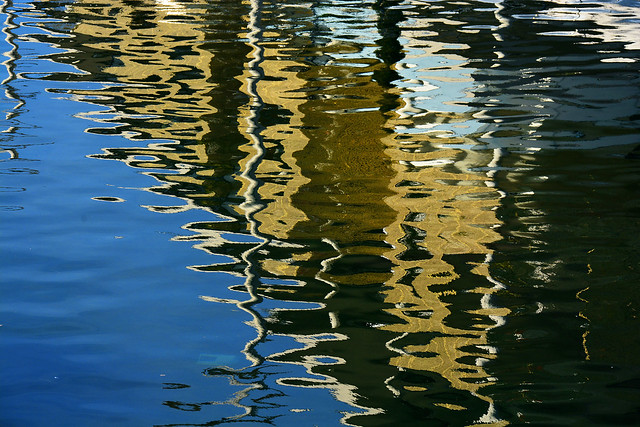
(364, 213)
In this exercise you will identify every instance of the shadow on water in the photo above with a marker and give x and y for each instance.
(427, 211)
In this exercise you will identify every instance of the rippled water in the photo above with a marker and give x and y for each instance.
(365, 213)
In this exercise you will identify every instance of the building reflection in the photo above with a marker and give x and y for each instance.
(563, 140)
(362, 242)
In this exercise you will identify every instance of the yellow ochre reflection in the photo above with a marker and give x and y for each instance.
(143, 47)
(287, 138)
(443, 210)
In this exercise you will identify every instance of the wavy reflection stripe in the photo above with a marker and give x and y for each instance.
(251, 204)
(326, 263)
(12, 55)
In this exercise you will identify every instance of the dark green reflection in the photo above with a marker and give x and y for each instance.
(570, 262)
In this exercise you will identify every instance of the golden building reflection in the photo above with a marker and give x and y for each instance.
(159, 80)
(444, 211)
(446, 204)
(319, 201)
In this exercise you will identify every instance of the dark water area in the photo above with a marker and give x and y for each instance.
(323, 213)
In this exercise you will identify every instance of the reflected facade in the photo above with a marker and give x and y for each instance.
(339, 203)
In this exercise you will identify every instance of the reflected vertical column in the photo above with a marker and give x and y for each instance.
(441, 289)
